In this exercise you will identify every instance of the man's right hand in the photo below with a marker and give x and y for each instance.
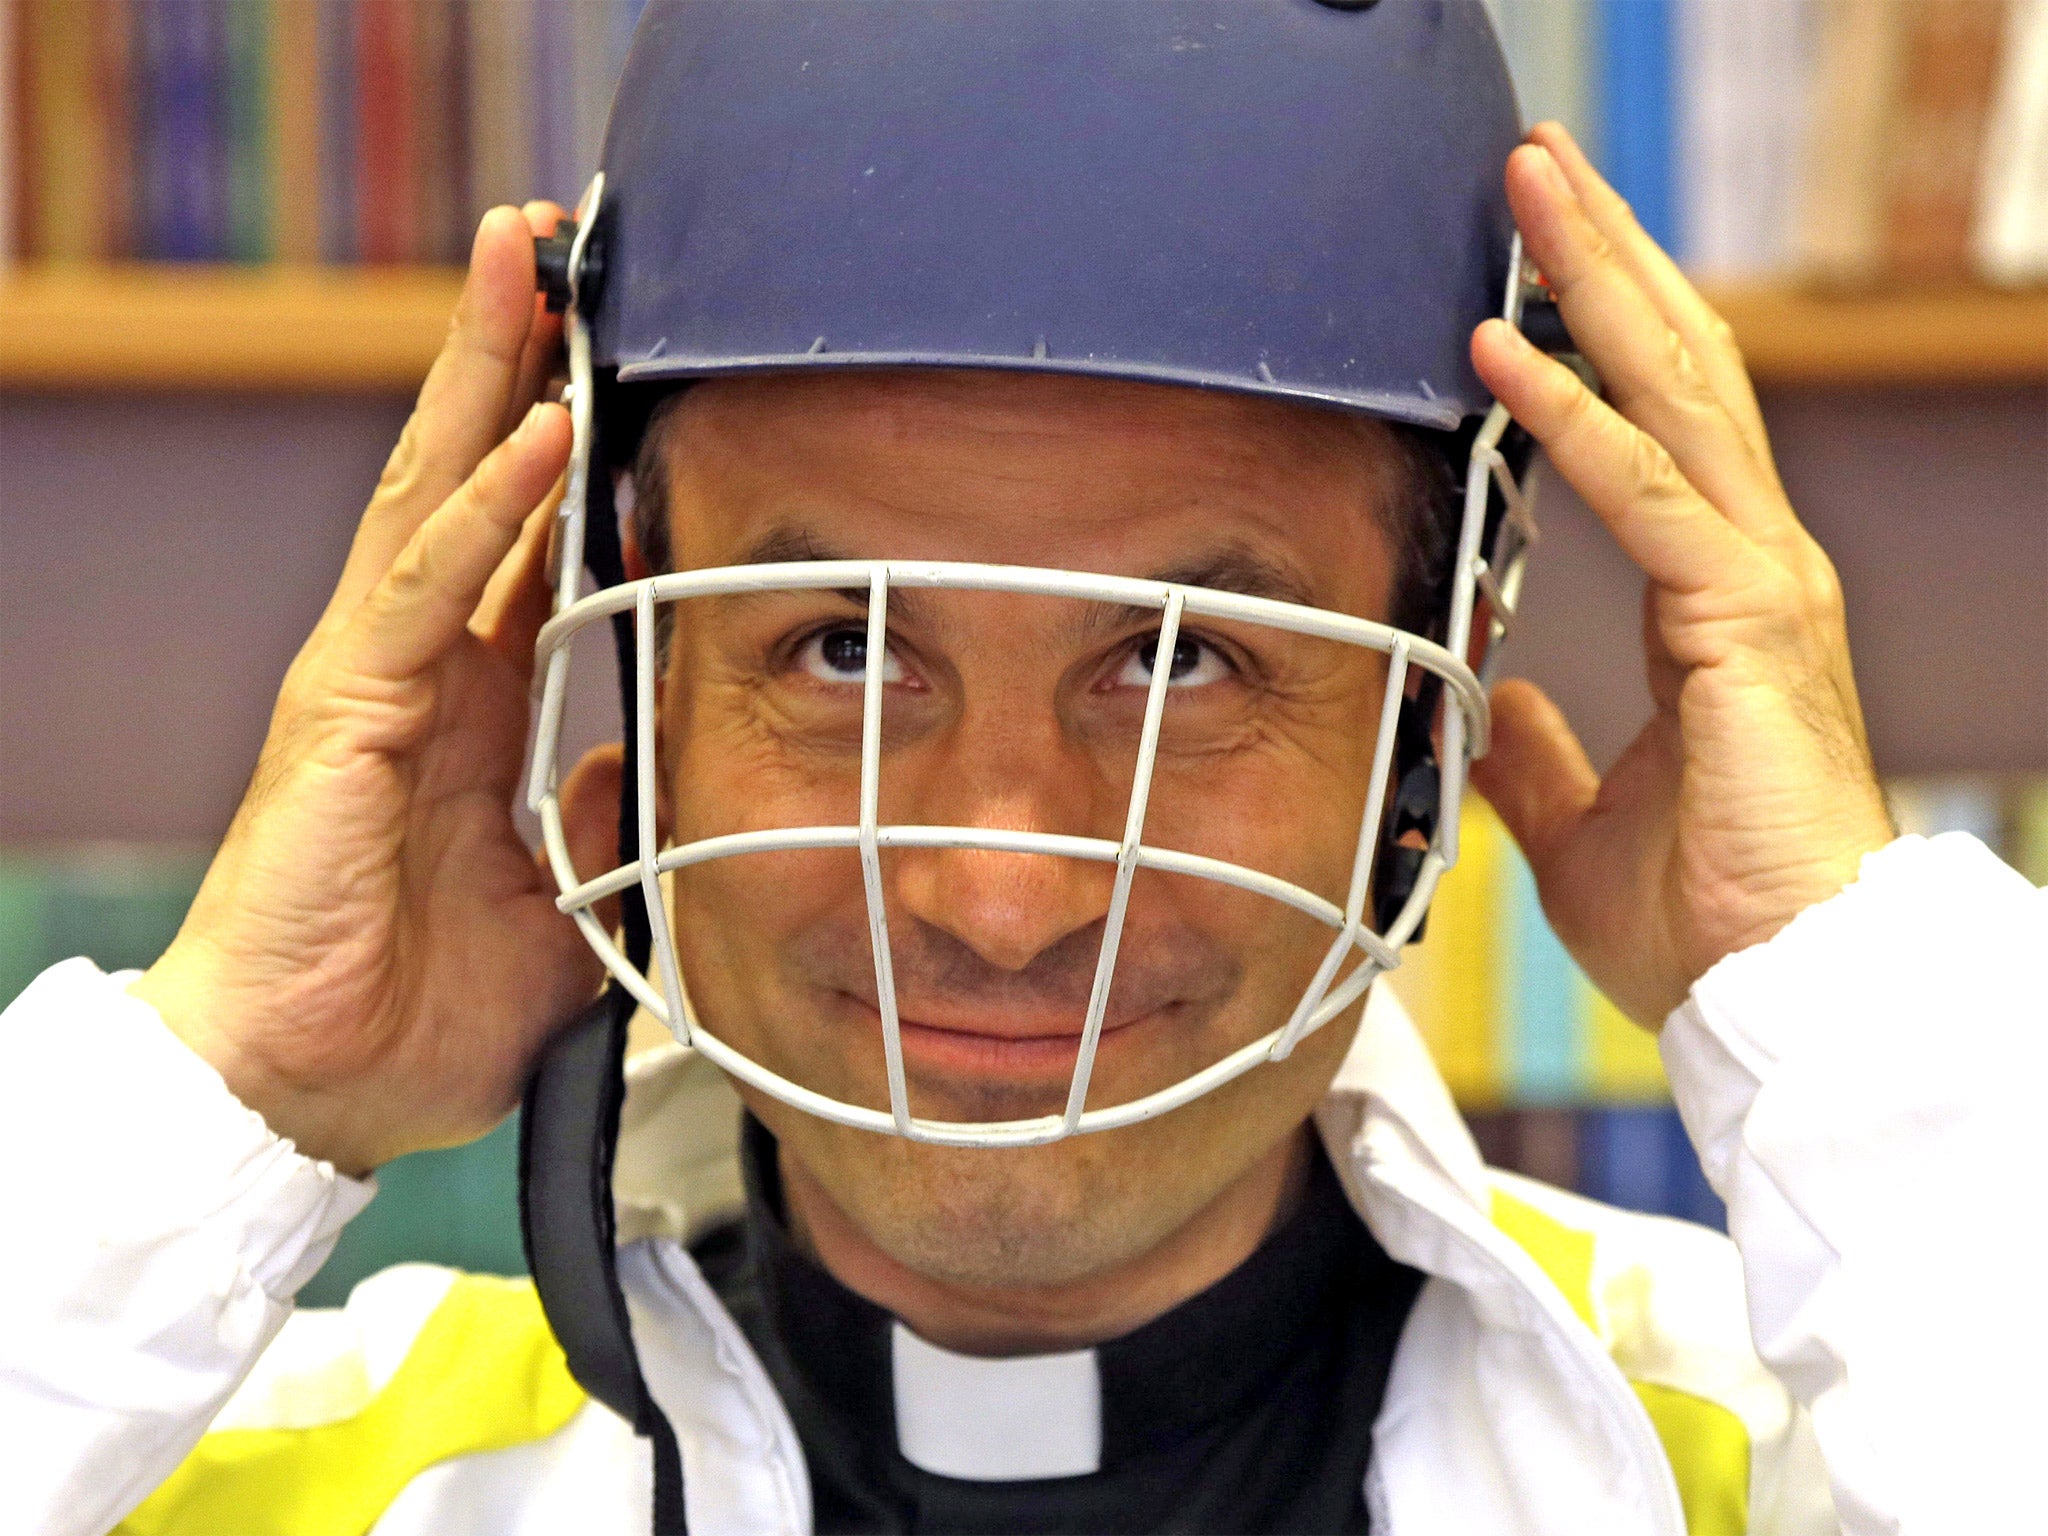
(374, 958)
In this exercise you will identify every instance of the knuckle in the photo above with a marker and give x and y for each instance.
(1820, 585)
(401, 471)
(1653, 471)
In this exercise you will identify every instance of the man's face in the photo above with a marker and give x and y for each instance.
(1018, 712)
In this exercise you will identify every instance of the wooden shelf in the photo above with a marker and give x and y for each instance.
(1792, 336)
(311, 329)
(338, 329)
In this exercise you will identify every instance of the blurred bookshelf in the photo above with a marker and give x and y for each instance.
(315, 329)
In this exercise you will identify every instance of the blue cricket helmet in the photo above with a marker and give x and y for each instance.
(1285, 197)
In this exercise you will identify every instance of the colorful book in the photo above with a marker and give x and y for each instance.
(181, 133)
(501, 145)
(2009, 242)
(293, 85)
(1840, 235)
(440, 116)
(68, 191)
(340, 108)
(1636, 119)
(1742, 72)
(1937, 138)
(1639, 1158)
(387, 147)
(11, 137)
(115, 102)
(250, 141)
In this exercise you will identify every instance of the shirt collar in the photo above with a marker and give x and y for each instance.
(1091, 1410)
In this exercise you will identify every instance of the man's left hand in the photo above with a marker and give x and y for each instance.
(1749, 795)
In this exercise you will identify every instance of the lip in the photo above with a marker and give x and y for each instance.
(1016, 1049)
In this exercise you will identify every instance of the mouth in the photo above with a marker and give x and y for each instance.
(1010, 1049)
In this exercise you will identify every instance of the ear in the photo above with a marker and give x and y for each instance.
(590, 816)
(624, 499)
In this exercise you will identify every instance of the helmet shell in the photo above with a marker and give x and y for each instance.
(1274, 196)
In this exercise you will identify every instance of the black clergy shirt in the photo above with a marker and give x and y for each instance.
(1247, 1408)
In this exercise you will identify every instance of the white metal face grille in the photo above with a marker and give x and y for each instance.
(1462, 728)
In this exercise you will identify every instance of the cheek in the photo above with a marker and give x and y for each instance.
(1289, 805)
(731, 773)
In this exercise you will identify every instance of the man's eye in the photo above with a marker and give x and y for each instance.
(1195, 663)
(841, 656)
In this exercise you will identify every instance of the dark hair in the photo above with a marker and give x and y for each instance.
(1419, 516)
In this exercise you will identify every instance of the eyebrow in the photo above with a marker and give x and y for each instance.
(1230, 567)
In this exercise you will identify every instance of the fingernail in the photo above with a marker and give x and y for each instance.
(527, 422)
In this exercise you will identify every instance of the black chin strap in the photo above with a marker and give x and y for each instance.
(569, 1126)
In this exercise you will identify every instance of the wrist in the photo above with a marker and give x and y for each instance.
(202, 1008)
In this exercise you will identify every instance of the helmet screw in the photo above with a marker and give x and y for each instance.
(551, 264)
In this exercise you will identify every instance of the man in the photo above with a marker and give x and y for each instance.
(1179, 1323)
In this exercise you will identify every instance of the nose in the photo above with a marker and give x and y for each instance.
(1008, 908)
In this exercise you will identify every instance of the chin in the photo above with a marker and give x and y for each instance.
(1003, 1218)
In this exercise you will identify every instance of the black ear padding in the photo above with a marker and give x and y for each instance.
(569, 1122)
(1415, 792)
(1413, 806)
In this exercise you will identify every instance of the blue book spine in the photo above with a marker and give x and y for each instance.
(1639, 1158)
(183, 180)
(1542, 990)
(1636, 94)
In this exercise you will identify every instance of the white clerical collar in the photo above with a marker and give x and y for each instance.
(996, 1421)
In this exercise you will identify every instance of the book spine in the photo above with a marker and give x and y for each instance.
(1636, 112)
(1842, 179)
(294, 87)
(1540, 988)
(1951, 64)
(1451, 982)
(340, 239)
(71, 162)
(441, 116)
(114, 93)
(1638, 1158)
(387, 194)
(2009, 233)
(501, 137)
(183, 180)
(250, 130)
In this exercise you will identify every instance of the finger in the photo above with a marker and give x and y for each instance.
(590, 799)
(1650, 375)
(427, 597)
(1618, 469)
(461, 406)
(1705, 334)
(517, 601)
(1535, 773)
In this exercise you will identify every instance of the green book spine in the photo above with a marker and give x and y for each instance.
(251, 234)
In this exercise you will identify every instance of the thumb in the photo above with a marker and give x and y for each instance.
(1535, 773)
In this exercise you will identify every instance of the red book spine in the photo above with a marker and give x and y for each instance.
(387, 162)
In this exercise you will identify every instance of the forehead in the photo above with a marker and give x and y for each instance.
(1022, 468)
